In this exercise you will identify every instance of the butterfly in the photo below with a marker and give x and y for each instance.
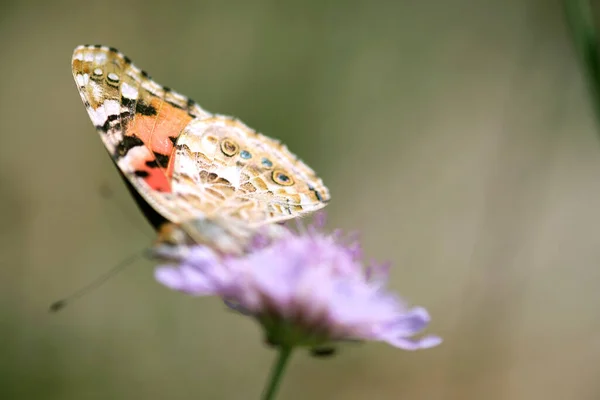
(199, 178)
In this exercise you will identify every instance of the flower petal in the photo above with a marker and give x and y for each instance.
(184, 279)
(412, 344)
(410, 323)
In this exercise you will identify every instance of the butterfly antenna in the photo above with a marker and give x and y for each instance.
(96, 283)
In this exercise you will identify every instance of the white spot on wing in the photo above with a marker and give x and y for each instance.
(112, 107)
(186, 165)
(232, 174)
(97, 92)
(98, 115)
(82, 80)
(135, 70)
(129, 91)
(100, 58)
(176, 98)
(132, 157)
(153, 88)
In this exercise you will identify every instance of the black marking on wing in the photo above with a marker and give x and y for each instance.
(127, 102)
(113, 120)
(176, 105)
(190, 104)
(152, 164)
(317, 194)
(145, 109)
(128, 143)
(162, 159)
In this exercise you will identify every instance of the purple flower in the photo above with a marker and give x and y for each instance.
(306, 289)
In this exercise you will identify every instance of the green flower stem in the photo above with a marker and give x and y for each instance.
(277, 372)
(587, 43)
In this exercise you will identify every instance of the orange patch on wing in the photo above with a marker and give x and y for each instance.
(79, 65)
(157, 131)
(154, 177)
(170, 123)
(158, 181)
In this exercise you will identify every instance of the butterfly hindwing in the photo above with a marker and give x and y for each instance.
(236, 171)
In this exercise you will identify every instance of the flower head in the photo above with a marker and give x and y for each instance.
(306, 289)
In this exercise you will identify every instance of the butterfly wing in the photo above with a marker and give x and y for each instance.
(139, 122)
(185, 163)
(228, 169)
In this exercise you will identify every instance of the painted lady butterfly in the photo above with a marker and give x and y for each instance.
(198, 177)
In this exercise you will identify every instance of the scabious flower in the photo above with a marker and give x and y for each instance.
(306, 289)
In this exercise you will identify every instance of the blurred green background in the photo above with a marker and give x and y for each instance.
(457, 136)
